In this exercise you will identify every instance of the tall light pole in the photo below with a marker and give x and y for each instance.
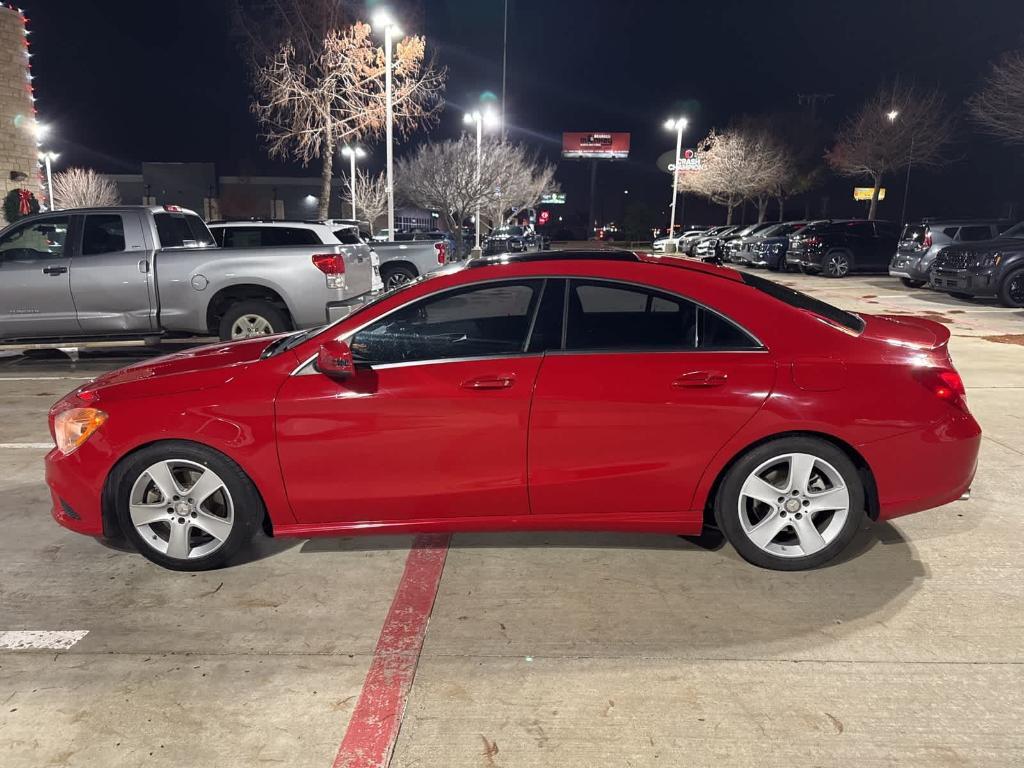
(352, 153)
(47, 158)
(487, 117)
(384, 21)
(892, 115)
(677, 124)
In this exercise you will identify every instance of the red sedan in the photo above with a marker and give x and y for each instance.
(603, 390)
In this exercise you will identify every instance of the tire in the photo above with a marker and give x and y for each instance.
(836, 264)
(396, 276)
(250, 318)
(911, 283)
(798, 541)
(192, 536)
(1011, 289)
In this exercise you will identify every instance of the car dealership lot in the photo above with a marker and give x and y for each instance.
(568, 649)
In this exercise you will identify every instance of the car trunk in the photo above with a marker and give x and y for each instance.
(906, 331)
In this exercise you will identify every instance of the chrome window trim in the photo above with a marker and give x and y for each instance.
(299, 370)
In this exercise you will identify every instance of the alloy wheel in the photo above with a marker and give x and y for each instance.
(838, 265)
(1016, 289)
(793, 505)
(250, 325)
(395, 279)
(181, 509)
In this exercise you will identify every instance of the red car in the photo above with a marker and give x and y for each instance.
(602, 390)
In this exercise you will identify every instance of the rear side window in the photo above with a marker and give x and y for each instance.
(860, 229)
(807, 303)
(974, 233)
(103, 233)
(916, 232)
(267, 237)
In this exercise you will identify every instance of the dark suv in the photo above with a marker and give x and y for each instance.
(988, 268)
(921, 243)
(837, 247)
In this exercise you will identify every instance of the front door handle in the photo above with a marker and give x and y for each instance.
(698, 379)
(489, 382)
(54, 270)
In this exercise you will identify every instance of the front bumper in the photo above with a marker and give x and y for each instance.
(975, 282)
(76, 489)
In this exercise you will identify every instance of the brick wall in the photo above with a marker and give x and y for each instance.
(18, 150)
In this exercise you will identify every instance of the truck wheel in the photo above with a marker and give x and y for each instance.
(1011, 290)
(250, 318)
(395, 276)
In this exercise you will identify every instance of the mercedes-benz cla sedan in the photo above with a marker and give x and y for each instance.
(604, 391)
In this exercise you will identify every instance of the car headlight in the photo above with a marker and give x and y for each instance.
(74, 426)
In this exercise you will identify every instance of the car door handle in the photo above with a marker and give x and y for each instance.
(489, 382)
(54, 270)
(696, 379)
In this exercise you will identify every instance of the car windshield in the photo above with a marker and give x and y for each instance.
(1017, 230)
(806, 303)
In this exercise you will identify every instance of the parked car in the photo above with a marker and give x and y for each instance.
(987, 268)
(690, 246)
(581, 390)
(511, 239)
(676, 243)
(836, 248)
(709, 246)
(143, 271)
(921, 242)
(736, 248)
(770, 248)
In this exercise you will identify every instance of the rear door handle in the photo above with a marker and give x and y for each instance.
(54, 270)
(697, 379)
(489, 382)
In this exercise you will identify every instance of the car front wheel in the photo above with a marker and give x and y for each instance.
(1011, 290)
(791, 504)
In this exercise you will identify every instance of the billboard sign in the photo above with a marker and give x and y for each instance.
(595, 146)
(864, 193)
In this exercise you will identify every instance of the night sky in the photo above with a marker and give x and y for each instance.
(128, 81)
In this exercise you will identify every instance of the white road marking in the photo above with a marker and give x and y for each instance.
(46, 378)
(32, 446)
(41, 640)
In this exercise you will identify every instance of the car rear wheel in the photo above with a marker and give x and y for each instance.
(251, 318)
(911, 283)
(1011, 290)
(836, 264)
(184, 506)
(395, 276)
(791, 504)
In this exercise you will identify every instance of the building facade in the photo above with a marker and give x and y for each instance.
(19, 137)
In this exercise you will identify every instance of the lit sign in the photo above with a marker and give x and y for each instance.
(595, 146)
(864, 193)
(554, 198)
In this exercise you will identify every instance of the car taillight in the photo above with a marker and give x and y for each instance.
(927, 242)
(442, 252)
(945, 384)
(812, 240)
(333, 267)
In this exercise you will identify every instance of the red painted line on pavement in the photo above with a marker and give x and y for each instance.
(373, 727)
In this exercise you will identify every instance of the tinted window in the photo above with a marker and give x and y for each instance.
(605, 316)
(472, 322)
(715, 332)
(347, 236)
(1000, 228)
(200, 234)
(176, 230)
(267, 237)
(860, 229)
(950, 231)
(916, 232)
(885, 229)
(103, 234)
(977, 232)
(39, 240)
(805, 302)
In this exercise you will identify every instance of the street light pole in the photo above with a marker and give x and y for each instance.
(382, 19)
(48, 157)
(352, 153)
(478, 118)
(678, 125)
(906, 185)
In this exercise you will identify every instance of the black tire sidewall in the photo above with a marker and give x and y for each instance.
(248, 506)
(1004, 288)
(277, 319)
(386, 272)
(727, 500)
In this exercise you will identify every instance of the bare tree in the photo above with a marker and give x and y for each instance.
(900, 124)
(309, 107)
(371, 196)
(443, 176)
(526, 181)
(999, 106)
(83, 188)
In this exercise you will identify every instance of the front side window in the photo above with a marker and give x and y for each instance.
(478, 321)
(103, 233)
(43, 239)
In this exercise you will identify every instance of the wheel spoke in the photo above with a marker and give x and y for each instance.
(177, 542)
(834, 498)
(800, 467)
(161, 476)
(766, 530)
(810, 540)
(217, 527)
(145, 514)
(207, 485)
(758, 489)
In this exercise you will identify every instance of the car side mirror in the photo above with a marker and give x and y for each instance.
(334, 359)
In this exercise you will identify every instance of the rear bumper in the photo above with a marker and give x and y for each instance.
(909, 267)
(336, 310)
(963, 281)
(926, 468)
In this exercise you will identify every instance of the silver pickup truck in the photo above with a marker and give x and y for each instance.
(143, 271)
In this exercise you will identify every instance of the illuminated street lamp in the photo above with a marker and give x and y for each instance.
(47, 158)
(352, 153)
(892, 115)
(383, 21)
(678, 125)
(480, 119)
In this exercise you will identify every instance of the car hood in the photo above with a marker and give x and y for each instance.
(194, 369)
(998, 244)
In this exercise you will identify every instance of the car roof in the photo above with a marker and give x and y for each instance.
(605, 255)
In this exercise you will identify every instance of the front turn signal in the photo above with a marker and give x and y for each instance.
(73, 427)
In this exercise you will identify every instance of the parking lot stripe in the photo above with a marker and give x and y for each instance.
(373, 727)
(40, 640)
(34, 446)
(46, 378)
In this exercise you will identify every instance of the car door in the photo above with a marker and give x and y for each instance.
(434, 422)
(111, 273)
(35, 282)
(647, 389)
